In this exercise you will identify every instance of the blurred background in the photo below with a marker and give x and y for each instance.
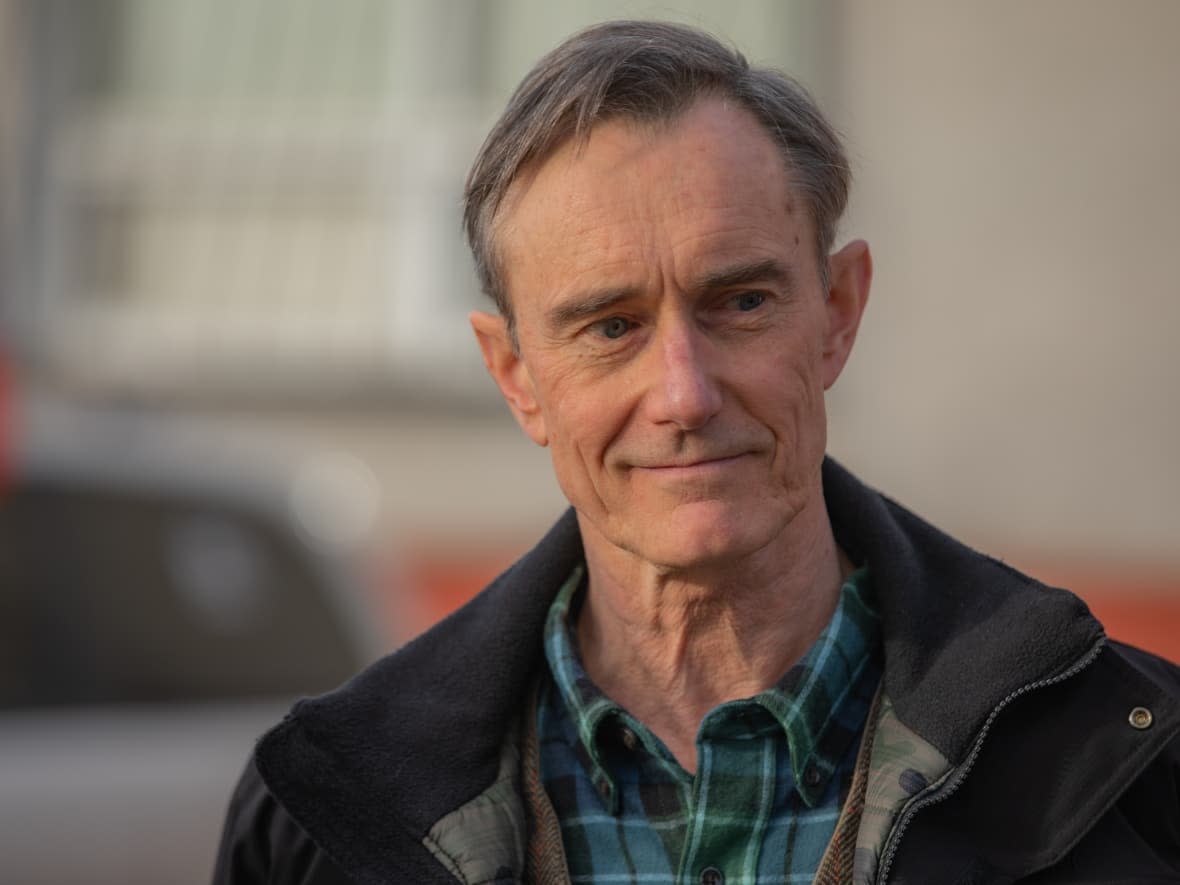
(246, 441)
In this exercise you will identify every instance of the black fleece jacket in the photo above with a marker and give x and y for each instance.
(1010, 680)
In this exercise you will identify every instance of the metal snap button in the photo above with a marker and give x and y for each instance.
(1141, 718)
(712, 876)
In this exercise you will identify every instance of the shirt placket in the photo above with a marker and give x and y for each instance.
(732, 800)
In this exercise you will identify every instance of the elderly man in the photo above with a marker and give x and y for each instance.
(730, 662)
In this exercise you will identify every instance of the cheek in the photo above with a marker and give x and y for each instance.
(804, 365)
(583, 420)
(792, 396)
(580, 453)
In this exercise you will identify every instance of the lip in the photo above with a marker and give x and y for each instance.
(688, 468)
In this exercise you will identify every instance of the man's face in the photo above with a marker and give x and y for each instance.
(675, 339)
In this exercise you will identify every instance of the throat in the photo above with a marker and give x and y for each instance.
(670, 653)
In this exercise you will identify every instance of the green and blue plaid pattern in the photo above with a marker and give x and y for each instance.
(772, 770)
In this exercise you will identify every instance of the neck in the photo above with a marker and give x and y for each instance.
(670, 645)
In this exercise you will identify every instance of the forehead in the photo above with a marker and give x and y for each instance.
(708, 186)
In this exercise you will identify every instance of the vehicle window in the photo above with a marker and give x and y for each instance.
(127, 597)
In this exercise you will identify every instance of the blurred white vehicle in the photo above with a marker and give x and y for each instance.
(158, 609)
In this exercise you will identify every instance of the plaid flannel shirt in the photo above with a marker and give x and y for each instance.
(772, 770)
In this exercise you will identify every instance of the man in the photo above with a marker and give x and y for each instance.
(731, 661)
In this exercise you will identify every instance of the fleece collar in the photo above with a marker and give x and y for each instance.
(948, 614)
(375, 763)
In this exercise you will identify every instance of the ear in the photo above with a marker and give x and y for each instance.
(850, 272)
(510, 373)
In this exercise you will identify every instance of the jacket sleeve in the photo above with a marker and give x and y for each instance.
(262, 845)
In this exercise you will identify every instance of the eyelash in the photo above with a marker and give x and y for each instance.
(602, 326)
(741, 296)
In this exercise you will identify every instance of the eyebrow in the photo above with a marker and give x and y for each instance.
(587, 305)
(595, 302)
(768, 270)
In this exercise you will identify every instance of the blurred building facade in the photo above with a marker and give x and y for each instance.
(247, 214)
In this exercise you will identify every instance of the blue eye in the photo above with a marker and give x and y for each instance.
(614, 327)
(749, 300)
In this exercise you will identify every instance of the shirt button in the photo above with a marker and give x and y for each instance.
(629, 739)
(811, 776)
(712, 876)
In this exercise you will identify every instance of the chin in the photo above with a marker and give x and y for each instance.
(703, 535)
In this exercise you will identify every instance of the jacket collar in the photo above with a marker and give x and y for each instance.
(949, 614)
(420, 732)
(367, 769)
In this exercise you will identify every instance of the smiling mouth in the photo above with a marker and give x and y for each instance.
(699, 466)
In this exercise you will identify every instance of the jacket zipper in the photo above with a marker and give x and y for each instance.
(947, 788)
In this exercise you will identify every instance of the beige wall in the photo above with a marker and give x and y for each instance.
(1017, 375)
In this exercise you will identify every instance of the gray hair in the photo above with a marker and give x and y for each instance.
(647, 72)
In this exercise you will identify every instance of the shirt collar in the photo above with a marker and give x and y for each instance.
(808, 700)
(586, 704)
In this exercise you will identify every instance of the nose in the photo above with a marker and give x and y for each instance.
(684, 388)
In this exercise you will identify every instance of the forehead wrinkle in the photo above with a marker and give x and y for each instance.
(586, 237)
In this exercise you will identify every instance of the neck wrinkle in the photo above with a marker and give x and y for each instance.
(671, 647)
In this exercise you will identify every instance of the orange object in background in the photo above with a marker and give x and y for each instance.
(446, 582)
(1150, 621)
(1141, 609)
(1138, 604)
